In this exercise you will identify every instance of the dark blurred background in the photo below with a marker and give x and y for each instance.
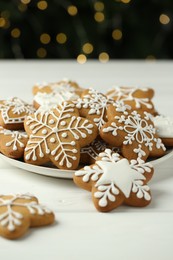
(83, 29)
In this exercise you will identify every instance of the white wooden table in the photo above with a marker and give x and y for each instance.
(80, 232)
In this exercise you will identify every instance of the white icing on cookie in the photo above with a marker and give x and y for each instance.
(65, 85)
(120, 174)
(164, 126)
(16, 137)
(137, 129)
(113, 175)
(127, 94)
(11, 218)
(75, 127)
(50, 100)
(18, 107)
(97, 104)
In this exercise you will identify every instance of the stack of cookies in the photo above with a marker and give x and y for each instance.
(112, 135)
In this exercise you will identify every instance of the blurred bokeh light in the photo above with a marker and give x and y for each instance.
(87, 29)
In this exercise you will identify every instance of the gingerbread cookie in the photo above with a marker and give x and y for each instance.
(58, 135)
(114, 180)
(93, 105)
(90, 152)
(137, 98)
(13, 112)
(21, 211)
(164, 126)
(132, 131)
(50, 100)
(56, 87)
(12, 142)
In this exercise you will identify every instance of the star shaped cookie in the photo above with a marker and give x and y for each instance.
(58, 136)
(132, 132)
(18, 212)
(113, 180)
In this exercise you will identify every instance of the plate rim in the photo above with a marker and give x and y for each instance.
(37, 169)
(64, 174)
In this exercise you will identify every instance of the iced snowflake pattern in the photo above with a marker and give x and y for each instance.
(11, 218)
(127, 94)
(97, 104)
(107, 180)
(137, 129)
(18, 107)
(55, 126)
(15, 136)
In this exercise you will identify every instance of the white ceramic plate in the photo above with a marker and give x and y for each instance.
(42, 170)
(68, 174)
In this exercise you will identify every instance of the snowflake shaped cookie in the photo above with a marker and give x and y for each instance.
(58, 135)
(19, 212)
(93, 105)
(13, 112)
(90, 152)
(137, 98)
(58, 87)
(114, 180)
(12, 142)
(132, 131)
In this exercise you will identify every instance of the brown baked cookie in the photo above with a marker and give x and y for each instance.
(113, 181)
(90, 152)
(61, 86)
(93, 105)
(137, 98)
(164, 126)
(13, 112)
(133, 132)
(12, 143)
(21, 211)
(58, 135)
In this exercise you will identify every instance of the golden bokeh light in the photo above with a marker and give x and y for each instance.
(45, 38)
(103, 57)
(99, 17)
(99, 6)
(26, 2)
(87, 48)
(164, 19)
(117, 34)
(72, 10)
(41, 52)
(125, 1)
(81, 58)
(61, 38)
(42, 5)
(2, 22)
(15, 33)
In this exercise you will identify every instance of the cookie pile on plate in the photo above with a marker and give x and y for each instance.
(113, 135)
